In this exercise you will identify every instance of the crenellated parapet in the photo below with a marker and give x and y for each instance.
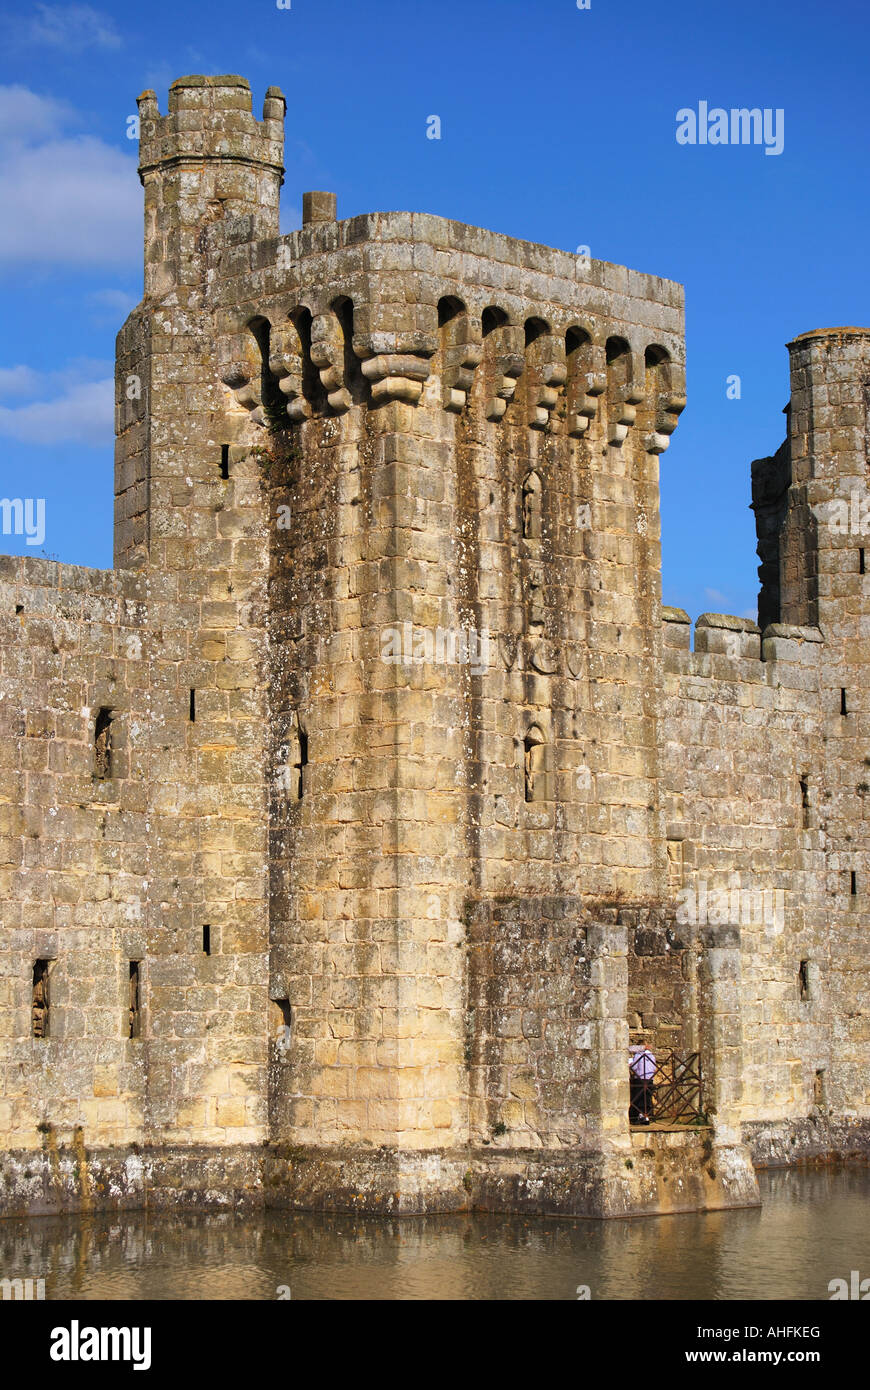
(206, 159)
(737, 652)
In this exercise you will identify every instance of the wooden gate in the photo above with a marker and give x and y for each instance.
(678, 1090)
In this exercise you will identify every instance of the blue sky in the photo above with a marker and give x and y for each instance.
(558, 126)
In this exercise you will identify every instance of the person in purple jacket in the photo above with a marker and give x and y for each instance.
(641, 1070)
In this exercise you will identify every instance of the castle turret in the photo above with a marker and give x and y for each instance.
(206, 164)
(813, 513)
(208, 158)
(808, 497)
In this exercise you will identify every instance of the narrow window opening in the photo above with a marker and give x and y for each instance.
(861, 561)
(843, 709)
(533, 762)
(282, 1016)
(206, 940)
(103, 745)
(19, 609)
(225, 462)
(819, 1087)
(804, 980)
(39, 1000)
(805, 801)
(134, 1017)
(192, 706)
(532, 508)
(853, 883)
(675, 864)
(302, 754)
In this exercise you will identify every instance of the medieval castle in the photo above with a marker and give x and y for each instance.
(355, 823)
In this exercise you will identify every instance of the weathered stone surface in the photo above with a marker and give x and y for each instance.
(348, 827)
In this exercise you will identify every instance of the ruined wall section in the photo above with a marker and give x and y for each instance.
(818, 530)
(128, 828)
(829, 519)
(750, 769)
(771, 479)
(75, 855)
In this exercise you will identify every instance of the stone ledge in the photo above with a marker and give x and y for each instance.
(65, 1179)
(656, 1173)
(809, 1139)
(661, 1173)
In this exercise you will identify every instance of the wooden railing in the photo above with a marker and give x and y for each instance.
(678, 1090)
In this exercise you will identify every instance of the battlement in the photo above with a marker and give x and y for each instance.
(208, 158)
(211, 118)
(810, 498)
(429, 307)
(732, 649)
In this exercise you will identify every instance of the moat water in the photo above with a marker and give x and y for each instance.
(812, 1228)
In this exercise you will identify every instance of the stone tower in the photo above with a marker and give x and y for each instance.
(459, 438)
(813, 517)
(207, 159)
(346, 825)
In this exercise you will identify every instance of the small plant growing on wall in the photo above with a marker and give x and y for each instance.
(279, 457)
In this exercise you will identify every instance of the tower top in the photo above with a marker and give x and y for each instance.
(211, 118)
(843, 332)
(207, 159)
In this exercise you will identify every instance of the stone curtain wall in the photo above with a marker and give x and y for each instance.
(75, 851)
(130, 861)
(746, 748)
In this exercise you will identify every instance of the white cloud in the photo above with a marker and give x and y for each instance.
(72, 27)
(18, 381)
(74, 409)
(26, 117)
(24, 381)
(69, 199)
(716, 596)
